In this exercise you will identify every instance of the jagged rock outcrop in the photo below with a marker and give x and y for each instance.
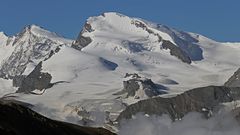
(35, 80)
(234, 80)
(15, 119)
(176, 51)
(203, 100)
(83, 41)
(140, 88)
(185, 41)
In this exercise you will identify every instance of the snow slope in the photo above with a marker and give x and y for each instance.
(116, 32)
(87, 79)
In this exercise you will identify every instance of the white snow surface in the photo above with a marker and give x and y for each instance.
(84, 75)
(5, 50)
(41, 32)
(118, 33)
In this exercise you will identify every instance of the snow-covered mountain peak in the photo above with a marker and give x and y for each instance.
(32, 45)
(118, 24)
(37, 31)
(3, 38)
(2, 35)
(113, 14)
(121, 34)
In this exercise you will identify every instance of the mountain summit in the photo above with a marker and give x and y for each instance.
(32, 45)
(122, 34)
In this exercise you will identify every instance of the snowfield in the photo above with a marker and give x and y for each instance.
(87, 79)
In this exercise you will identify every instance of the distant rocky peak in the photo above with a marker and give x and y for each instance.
(30, 29)
(32, 45)
(3, 38)
(41, 32)
(25, 35)
(34, 29)
(3, 35)
(36, 33)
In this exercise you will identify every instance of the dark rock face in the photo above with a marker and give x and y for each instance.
(234, 81)
(185, 41)
(83, 41)
(203, 100)
(15, 119)
(140, 24)
(18, 80)
(176, 51)
(35, 80)
(108, 64)
(131, 86)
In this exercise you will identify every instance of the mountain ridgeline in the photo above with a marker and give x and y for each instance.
(181, 45)
(34, 44)
(117, 67)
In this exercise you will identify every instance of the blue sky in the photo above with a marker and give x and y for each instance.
(217, 19)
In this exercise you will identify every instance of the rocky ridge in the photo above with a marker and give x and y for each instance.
(204, 100)
(13, 114)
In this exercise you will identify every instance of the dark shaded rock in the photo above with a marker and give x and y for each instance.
(140, 24)
(203, 100)
(15, 119)
(234, 81)
(17, 80)
(108, 64)
(35, 80)
(176, 51)
(53, 52)
(132, 85)
(236, 113)
(83, 41)
(185, 41)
